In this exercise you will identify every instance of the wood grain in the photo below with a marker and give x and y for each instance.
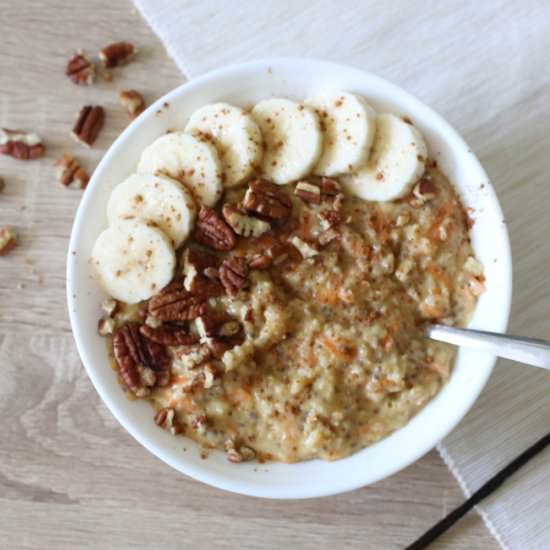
(70, 476)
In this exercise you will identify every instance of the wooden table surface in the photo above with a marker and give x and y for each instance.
(70, 476)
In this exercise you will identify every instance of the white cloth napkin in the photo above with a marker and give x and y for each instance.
(483, 66)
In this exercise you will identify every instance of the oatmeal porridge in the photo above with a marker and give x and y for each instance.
(290, 322)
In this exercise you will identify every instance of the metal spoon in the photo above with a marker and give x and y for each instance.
(525, 350)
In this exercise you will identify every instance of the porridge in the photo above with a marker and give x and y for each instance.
(282, 316)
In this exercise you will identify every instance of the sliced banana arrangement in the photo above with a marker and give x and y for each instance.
(157, 199)
(193, 161)
(377, 157)
(396, 162)
(133, 260)
(292, 138)
(235, 135)
(348, 123)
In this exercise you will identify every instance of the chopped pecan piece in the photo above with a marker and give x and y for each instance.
(213, 231)
(242, 454)
(88, 124)
(423, 192)
(132, 101)
(80, 69)
(110, 307)
(329, 186)
(169, 335)
(199, 422)
(278, 253)
(201, 273)
(308, 192)
(328, 236)
(21, 145)
(174, 303)
(234, 274)
(330, 218)
(69, 172)
(106, 326)
(259, 261)
(220, 331)
(166, 419)
(8, 240)
(305, 249)
(244, 225)
(338, 202)
(119, 53)
(265, 199)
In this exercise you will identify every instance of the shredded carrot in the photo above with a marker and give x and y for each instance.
(178, 379)
(342, 347)
(445, 210)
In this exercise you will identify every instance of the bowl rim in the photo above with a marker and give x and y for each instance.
(202, 474)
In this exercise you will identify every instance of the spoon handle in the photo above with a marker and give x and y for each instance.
(525, 350)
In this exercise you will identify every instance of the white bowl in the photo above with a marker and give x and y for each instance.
(243, 85)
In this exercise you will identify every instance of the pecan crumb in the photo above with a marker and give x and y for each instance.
(328, 236)
(234, 274)
(8, 240)
(117, 54)
(88, 124)
(265, 199)
(21, 145)
(244, 225)
(308, 192)
(80, 69)
(212, 231)
(70, 173)
(132, 101)
(166, 419)
(242, 454)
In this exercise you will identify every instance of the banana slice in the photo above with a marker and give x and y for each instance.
(348, 123)
(133, 260)
(397, 161)
(193, 161)
(292, 139)
(236, 136)
(158, 199)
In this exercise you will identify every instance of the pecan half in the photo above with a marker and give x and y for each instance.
(80, 69)
(174, 303)
(139, 358)
(244, 225)
(220, 331)
(265, 199)
(21, 145)
(132, 101)
(88, 124)
(308, 192)
(169, 335)
(127, 357)
(212, 231)
(234, 274)
(8, 240)
(119, 53)
(201, 273)
(70, 173)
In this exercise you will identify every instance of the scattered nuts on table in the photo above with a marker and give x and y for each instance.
(132, 101)
(80, 69)
(21, 145)
(88, 124)
(8, 240)
(117, 54)
(70, 173)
